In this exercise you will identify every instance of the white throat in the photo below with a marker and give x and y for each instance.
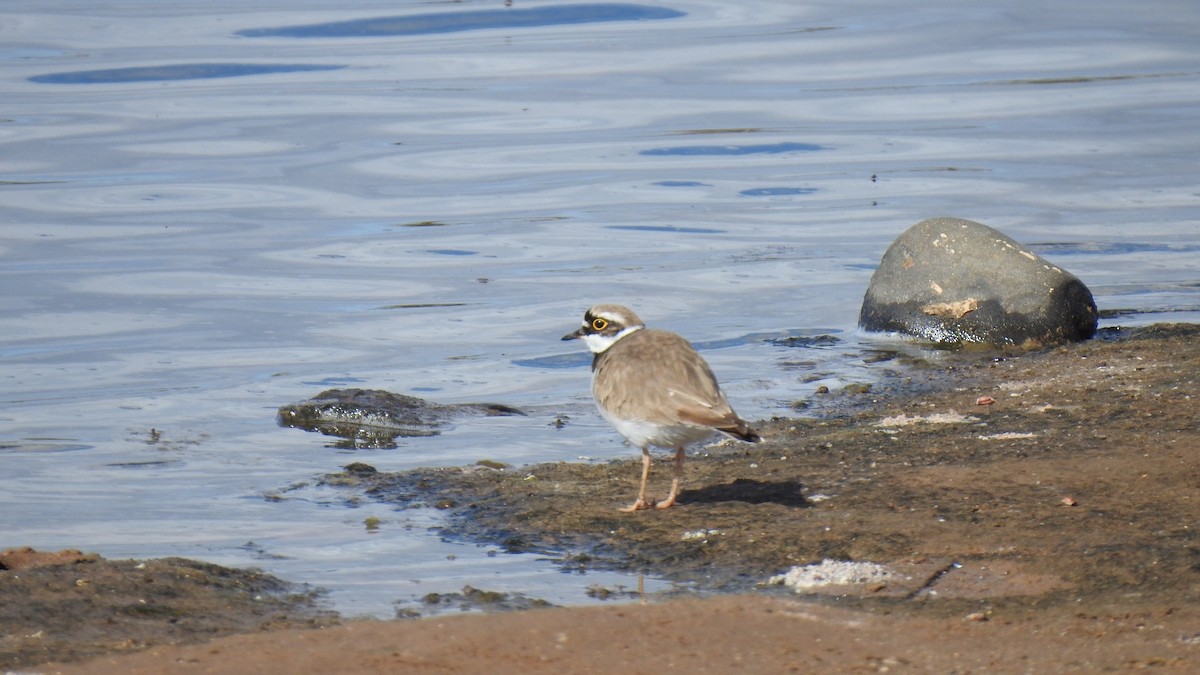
(600, 343)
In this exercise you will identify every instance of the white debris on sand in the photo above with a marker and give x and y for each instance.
(1007, 436)
(699, 535)
(832, 573)
(936, 418)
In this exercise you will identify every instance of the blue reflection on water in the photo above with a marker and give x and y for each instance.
(766, 148)
(777, 191)
(453, 22)
(179, 71)
(665, 228)
(1108, 248)
(334, 381)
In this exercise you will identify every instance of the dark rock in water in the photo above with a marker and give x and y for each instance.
(376, 418)
(950, 280)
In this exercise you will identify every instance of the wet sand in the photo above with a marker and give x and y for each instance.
(1038, 511)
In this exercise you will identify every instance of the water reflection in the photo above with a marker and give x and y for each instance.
(759, 149)
(777, 191)
(179, 71)
(453, 22)
(1109, 247)
(666, 228)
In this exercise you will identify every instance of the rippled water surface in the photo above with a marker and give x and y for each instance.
(208, 210)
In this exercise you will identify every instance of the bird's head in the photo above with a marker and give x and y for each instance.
(603, 325)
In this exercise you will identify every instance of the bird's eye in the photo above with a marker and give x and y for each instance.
(599, 324)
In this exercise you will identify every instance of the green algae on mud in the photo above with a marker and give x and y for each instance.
(1007, 480)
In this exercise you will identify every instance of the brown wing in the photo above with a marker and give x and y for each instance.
(676, 384)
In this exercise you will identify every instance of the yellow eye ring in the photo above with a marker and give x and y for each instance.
(599, 324)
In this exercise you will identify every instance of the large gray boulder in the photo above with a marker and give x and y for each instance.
(950, 280)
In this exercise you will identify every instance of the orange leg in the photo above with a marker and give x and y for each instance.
(641, 502)
(678, 475)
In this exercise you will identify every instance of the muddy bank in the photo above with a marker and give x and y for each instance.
(67, 605)
(726, 634)
(1013, 482)
(1038, 511)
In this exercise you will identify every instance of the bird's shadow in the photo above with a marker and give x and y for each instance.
(750, 491)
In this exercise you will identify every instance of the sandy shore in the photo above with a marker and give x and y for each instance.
(721, 635)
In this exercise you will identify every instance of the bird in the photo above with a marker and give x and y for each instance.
(655, 389)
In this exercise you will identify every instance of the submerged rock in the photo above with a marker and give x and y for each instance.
(471, 598)
(376, 418)
(950, 280)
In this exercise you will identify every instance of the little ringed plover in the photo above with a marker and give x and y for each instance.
(655, 389)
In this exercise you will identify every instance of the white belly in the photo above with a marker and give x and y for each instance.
(642, 433)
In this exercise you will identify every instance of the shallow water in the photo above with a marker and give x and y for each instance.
(201, 221)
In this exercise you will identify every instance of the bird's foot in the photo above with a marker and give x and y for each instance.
(640, 505)
(666, 503)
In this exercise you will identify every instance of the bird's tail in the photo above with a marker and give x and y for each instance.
(742, 432)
